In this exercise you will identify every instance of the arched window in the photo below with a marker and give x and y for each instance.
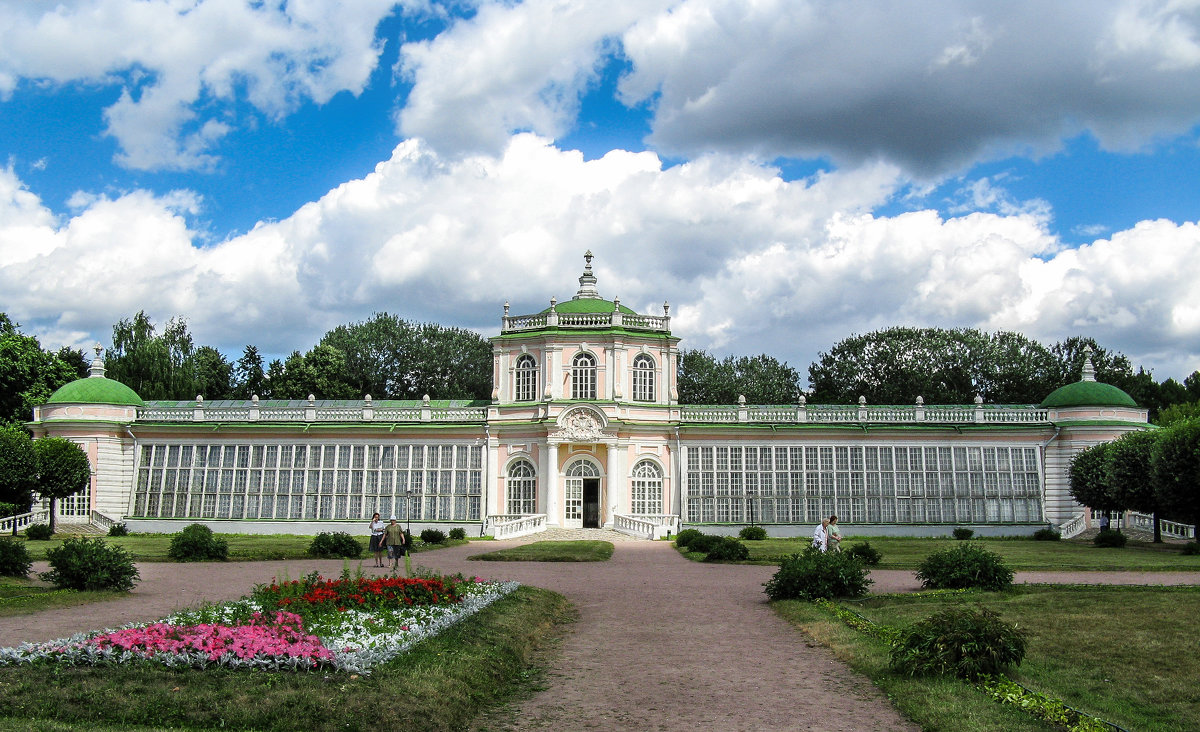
(522, 487)
(583, 376)
(526, 379)
(573, 508)
(647, 488)
(643, 378)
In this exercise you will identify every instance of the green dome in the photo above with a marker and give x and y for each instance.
(589, 305)
(1088, 394)
(95, 390)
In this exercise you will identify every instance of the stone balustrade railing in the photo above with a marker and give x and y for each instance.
(104, 522)
(646, 525)
(362, 412)
(862, 414)
(617, 318)
(24, 520)
(1172, 529)
(512, 526)
(1074, 527)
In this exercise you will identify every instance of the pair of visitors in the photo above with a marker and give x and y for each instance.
(377, 547)
(394, 539)
(827, 536)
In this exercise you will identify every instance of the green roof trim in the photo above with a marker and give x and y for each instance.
(95, 390)
(1088, 394)
(585, 334)
(589, 305)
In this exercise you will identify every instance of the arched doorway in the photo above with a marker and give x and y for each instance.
(581, 509)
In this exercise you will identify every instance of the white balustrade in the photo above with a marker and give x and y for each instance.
(646, 525)
(337, 413)
(1074, 527)
(104, 522)
(512, 526)
(1172, 529)
(24, 520)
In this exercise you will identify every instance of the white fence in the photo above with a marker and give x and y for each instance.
(512, 526)
(858, 414)
(1074, 527)
(24, 520)
(646, 525)
(1172, 529)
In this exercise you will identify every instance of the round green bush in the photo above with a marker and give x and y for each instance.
(816, 574)
(1191, 548)
(959, 641)
(458, 534)
(726, 548)
(1046, 535)
(118, 530)
(965, 565)
(864, 551)
(684, 538)
(962, 534)
(1110, 538)
(433, 536)
(14, 558)
(38, 532)
(196, 543)
(91, 564)
(701, 544)
(752, 533)
(335, 545)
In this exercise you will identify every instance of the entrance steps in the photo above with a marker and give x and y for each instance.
(558, 534)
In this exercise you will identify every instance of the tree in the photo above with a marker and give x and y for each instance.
(1130, 479)
(18, 469)
(1089, 479)
(1111, 367)
(762, 379)
(213, 373)
(702, 379)
(1178, 413)
(1175, 464)
(62, 470)
(154, 366)
(248, 376)
(28, 374)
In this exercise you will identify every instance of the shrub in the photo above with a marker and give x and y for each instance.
(9, 509)
(14, 558)
(90, 564)
(815, 574)
(38, 532)
(965, 565)
(458, 534)
(962, 534)
(684, 538)
(703, 543)
(726, 548)
(1191, 548)
(1046, 535)
(433, 536)
(752, 533)
(118, 530)
(1110, 538)
(864, 551)
(196, 543)
(335, 545)
(960, 641)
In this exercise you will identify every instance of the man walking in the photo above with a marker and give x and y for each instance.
(393, 538)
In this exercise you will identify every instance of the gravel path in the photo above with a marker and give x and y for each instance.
(662, 642)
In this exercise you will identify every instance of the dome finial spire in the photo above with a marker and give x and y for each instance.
(1089, 372)
(97, 368)
(587, 281)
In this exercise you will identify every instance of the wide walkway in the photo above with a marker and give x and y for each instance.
(661, 643)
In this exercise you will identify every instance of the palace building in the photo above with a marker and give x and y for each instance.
(583, 429)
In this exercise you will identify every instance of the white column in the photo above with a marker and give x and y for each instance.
(548, 483)
(493, 472)
(555, 368)
(615, 483)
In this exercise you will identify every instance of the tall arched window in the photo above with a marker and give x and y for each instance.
(526, 379)
(643, 378)
(522, 487)
(583, 376)
(647, 488)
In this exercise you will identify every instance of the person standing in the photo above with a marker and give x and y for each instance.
(377, 527)
(820, 536)
(833, 535)
(393, 537)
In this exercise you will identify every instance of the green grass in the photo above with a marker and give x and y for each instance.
(444, 683)
(1019, 554)
(552, 551)
(1125, 654)
(25, 596)
(242, 547)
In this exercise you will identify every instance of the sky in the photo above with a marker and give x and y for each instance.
(785, 173)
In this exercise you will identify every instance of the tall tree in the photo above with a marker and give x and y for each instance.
(1129, 477)
(248, 375)
(155, 366)
(1089, 479)
(213, 373)
(1175, 461)
(18, 469)
(761, 379)
(28, 374)
(62, 470)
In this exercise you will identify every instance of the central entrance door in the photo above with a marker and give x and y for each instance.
(591, 503)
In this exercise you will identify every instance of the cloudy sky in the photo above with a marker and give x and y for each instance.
(783, 172)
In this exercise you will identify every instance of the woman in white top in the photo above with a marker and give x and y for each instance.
(377, 527)
(820, 537)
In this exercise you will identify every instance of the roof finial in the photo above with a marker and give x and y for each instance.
(587, 281)
(1089, 372)
(97, 368)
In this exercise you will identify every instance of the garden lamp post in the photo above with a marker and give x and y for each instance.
(408, 509)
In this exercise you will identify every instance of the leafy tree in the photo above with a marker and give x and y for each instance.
(248, 375)
(1129, 478)
(18, 468)
(1175, 462)
(1111, 367)
(75, 359)
(28, 374)
(155, 366)
(213, 373)
(321, 372)
(62, 470)
(1192, 384)
(1178, 413)
(762, 379)
(1089, 479)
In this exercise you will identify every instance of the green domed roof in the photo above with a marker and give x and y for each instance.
(95, 390)
(589, 305)
(1088, 394)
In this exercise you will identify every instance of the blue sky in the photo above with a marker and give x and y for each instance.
(784, 173)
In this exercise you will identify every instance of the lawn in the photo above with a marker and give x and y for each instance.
(552, 551)
(443, 683)
(1019, 554)
(26, 596)
(1125, 654)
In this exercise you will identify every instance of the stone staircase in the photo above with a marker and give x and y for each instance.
(581, 535)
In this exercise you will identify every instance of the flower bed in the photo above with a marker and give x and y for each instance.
(349, 624)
